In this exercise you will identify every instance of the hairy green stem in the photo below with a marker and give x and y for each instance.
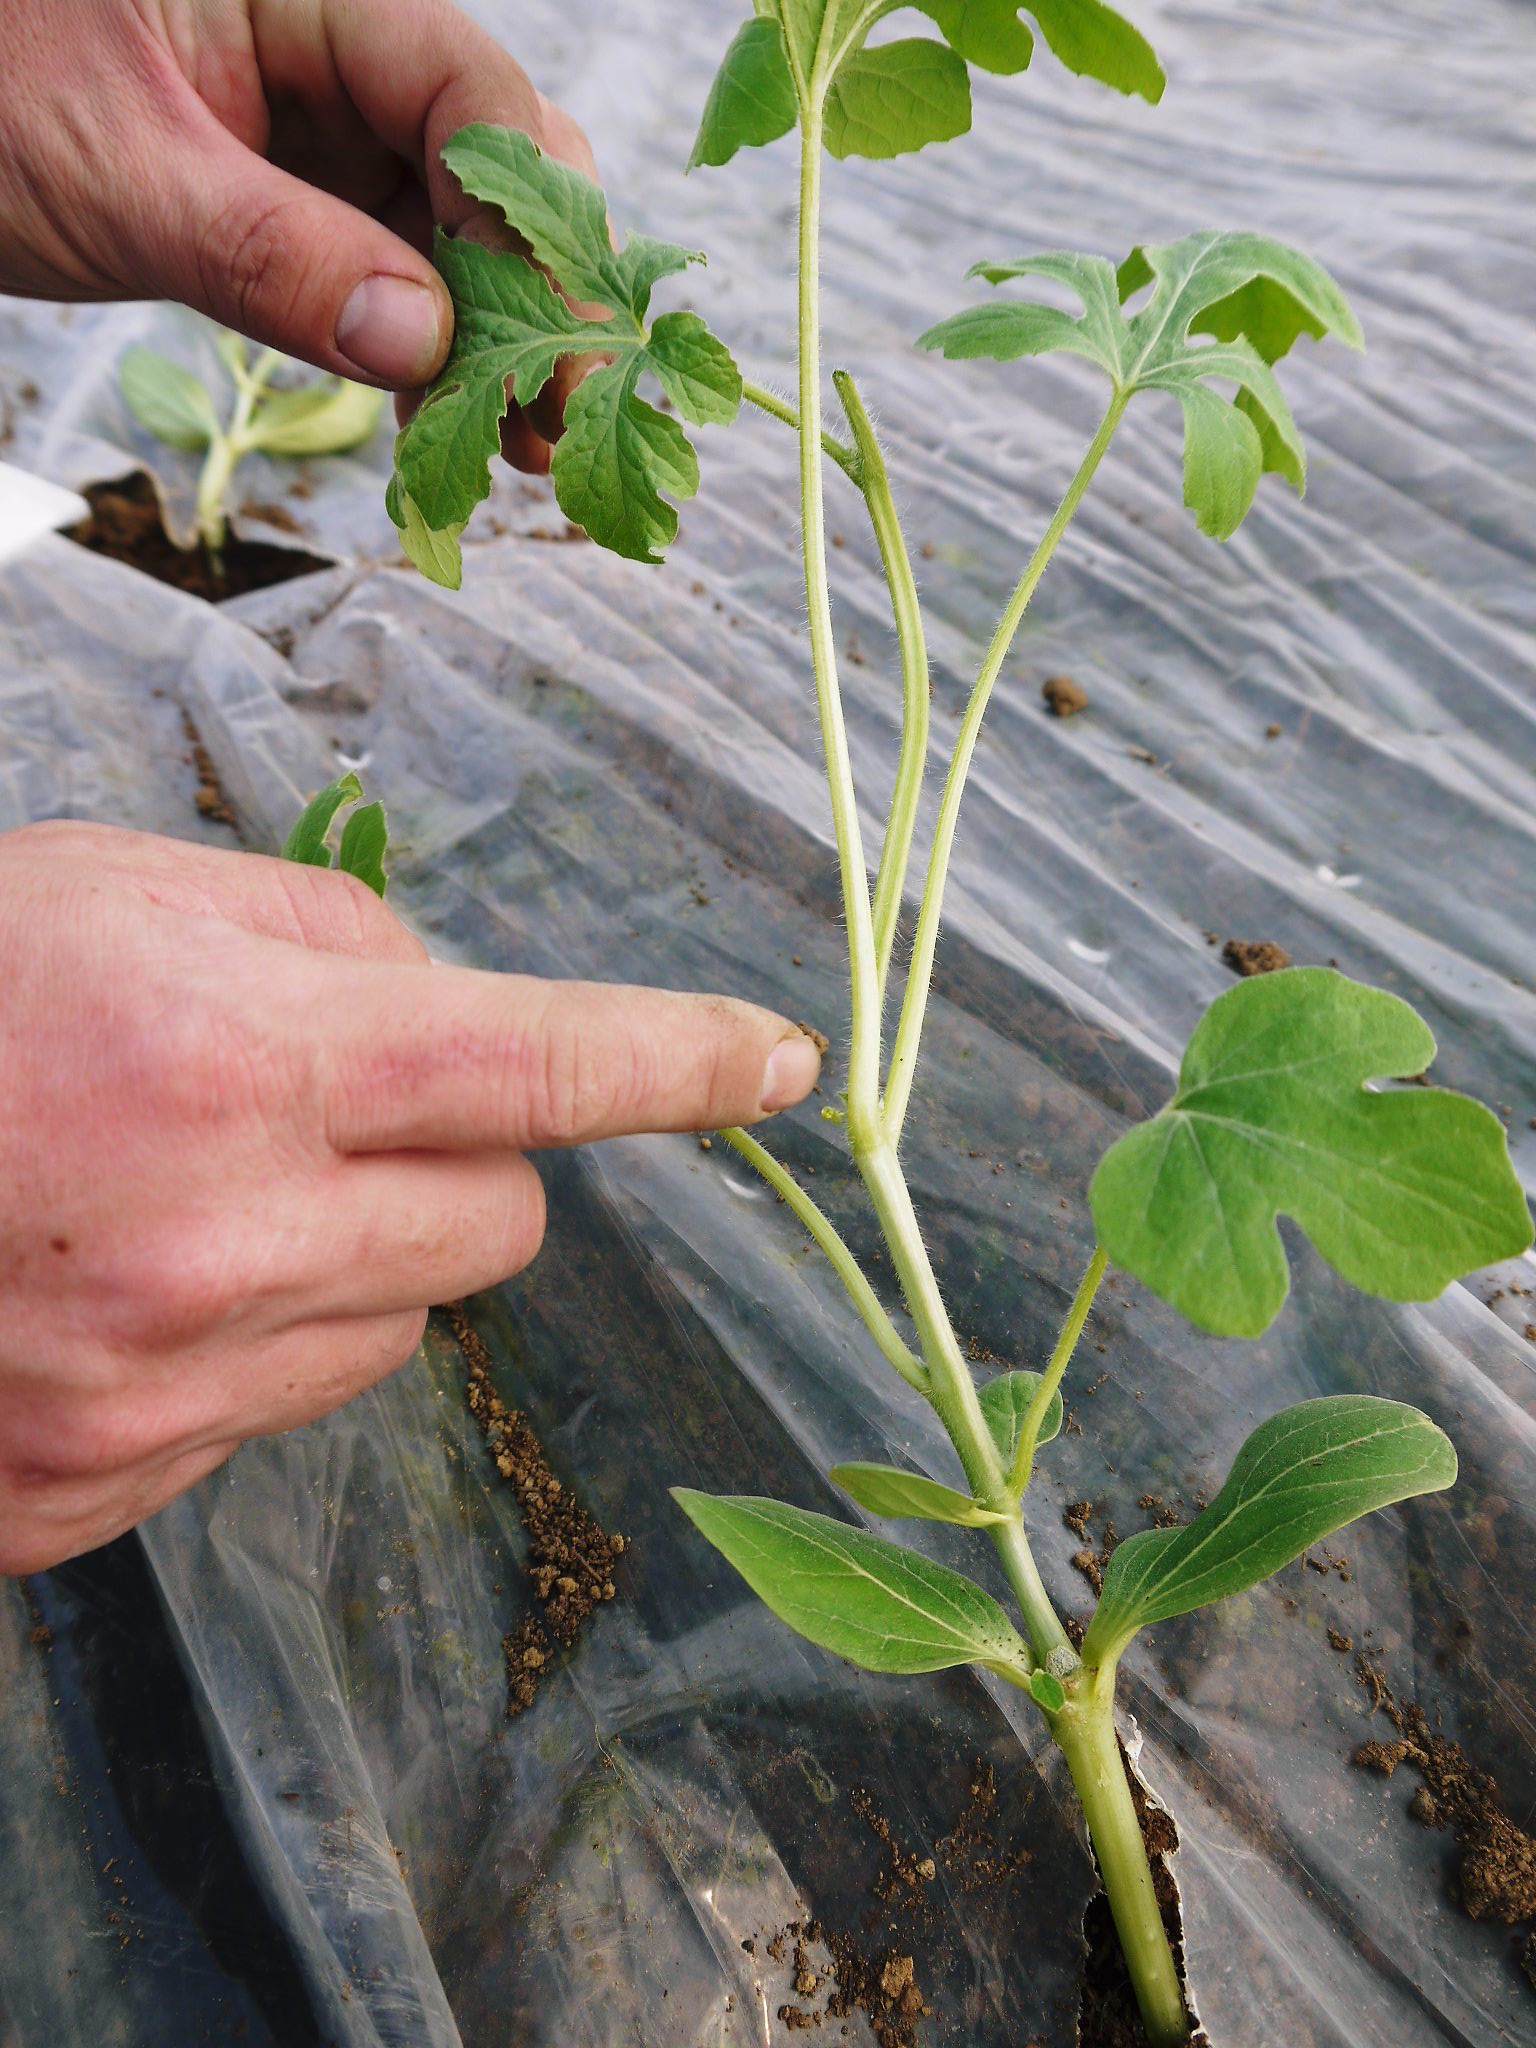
(839, 1257)
(891, 878)
(864, 1048)
(1050, 1379)
(777, 408)
(898, 1087)
(1084, 1728)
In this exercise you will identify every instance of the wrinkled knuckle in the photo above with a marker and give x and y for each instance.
(521, 1223)
(163, 1298)
(552, 1070)
(244, 259)
(401, 1337)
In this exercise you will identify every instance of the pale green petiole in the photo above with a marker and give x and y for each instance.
(1061, 1358)
(909, 1031)
(842, 1261)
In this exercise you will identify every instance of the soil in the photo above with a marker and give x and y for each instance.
(1496, 1861)
(834, 1972)
(1063, 697)
(209, 795)
(1093, 1561)
(125, 523)
(571, 1561)
(1254, 956)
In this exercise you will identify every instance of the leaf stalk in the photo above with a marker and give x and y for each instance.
(898, 1087)
(839, 1257)
(1051, 1378)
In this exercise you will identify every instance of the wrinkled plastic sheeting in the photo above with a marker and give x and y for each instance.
(595, 769)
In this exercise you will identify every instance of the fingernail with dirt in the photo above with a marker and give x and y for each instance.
(791, 1071)
(392, 329)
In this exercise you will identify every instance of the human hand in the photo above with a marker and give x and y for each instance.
(248, 1133)
(273, 163)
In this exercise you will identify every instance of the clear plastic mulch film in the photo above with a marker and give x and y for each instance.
(256, 1779)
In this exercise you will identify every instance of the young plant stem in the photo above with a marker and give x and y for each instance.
(891, 878)
(225, 451)
(1050, 1379)
(909, 1031)
(842, 1261)
(1086, 1730)
(777, 408)
(864, 1048)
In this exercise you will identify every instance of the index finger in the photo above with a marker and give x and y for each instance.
(450, 1058)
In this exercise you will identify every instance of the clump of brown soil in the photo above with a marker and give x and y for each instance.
(1091, 1562)
(1496, 1878)
(125, 523)
(1255, 956)
(209, 795)
(1063, 697)
(1108, 2015)
(571, 1561)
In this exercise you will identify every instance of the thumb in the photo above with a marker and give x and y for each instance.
(294, 268)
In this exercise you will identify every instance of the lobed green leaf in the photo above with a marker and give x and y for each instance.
(753, 99)
(1221, 309)
(909, 1496)
(306, 842)
(879, 1606)
(1299, 1477)
(883, 99)
(1401, 1191)
(897, 98)
(618, 460)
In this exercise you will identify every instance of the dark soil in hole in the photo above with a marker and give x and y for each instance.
(1496, 1862)
(1108, 2017)
(125, 523)
(571, 1561)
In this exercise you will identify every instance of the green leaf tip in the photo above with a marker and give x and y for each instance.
(887, 99)
(363, 840)
(1300, 1477)
(1221, 311)
(1400, 1190)
(619, 459)
(881, 1607)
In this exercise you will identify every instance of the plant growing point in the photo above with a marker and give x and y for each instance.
(1285, 1104)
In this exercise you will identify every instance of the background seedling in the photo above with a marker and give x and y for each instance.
(324, 418)
(363, 838)
(1285, 1104)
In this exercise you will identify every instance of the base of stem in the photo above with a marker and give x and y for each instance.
(1086, 1735)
